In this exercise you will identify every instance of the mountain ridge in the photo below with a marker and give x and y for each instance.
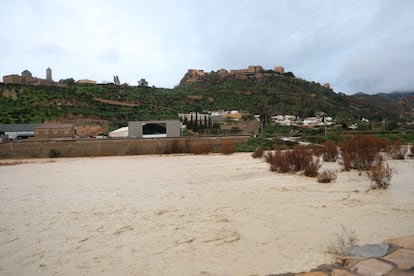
(254, 90)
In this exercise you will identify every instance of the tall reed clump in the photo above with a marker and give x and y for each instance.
(298, 159)
(360, 152)
(396, 150)
(258, 152)
(380, 174)
(330, 153)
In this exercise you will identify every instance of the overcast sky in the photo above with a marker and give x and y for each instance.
(355, 45)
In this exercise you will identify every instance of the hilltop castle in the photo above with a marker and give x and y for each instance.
(251, 72)
(27, 78)
(194, 75)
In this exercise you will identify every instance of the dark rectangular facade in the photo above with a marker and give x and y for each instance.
(154, 129)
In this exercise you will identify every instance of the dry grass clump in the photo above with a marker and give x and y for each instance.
(258, 152)
(312, 168)
(359, 152)
(411, 152)
(277, 161)
(318, 150)
(396, 150)
(11, 163)
(326, 176)
(343, 240)
(380, 174)
(363, 153)
(330, 153)
(298, 159)
(227, 147)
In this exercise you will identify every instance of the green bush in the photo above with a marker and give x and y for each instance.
(53, 153)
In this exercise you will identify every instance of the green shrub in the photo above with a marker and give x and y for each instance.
(53, 153)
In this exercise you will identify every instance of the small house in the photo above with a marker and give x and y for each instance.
(54, 131)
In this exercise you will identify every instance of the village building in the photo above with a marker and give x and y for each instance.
(154, 129)
(54, 131)
(119, 133)
(85, 129)
(17, 131)
(26, 77)
(86, 81)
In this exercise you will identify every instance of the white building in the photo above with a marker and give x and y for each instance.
(119, 133)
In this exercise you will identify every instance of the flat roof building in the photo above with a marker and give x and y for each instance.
(154, 129)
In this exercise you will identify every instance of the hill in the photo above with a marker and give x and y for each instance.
(264, 92)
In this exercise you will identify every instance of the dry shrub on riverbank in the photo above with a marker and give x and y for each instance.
(326, 176)
(277, 161)
(317, 150)
(360, 152)
(345, 239)
(380, 174)
(298, 159)
(396, 150)
(330, 153)
(411, 152)
(312, 168)
(258, 152)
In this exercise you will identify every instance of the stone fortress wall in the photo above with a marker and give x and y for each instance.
(27, 78)
(253, 69)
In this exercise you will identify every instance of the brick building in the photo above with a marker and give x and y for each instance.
(54, 131)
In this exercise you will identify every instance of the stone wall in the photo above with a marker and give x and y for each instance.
(194, 75)
(110, 147)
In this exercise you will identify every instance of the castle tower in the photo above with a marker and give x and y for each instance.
(279, 69)
(49, 74)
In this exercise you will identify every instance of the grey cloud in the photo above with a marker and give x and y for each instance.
(354, 45)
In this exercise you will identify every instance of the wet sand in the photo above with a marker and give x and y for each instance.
(186, 215)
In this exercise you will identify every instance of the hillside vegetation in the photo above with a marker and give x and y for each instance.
(267, 94)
